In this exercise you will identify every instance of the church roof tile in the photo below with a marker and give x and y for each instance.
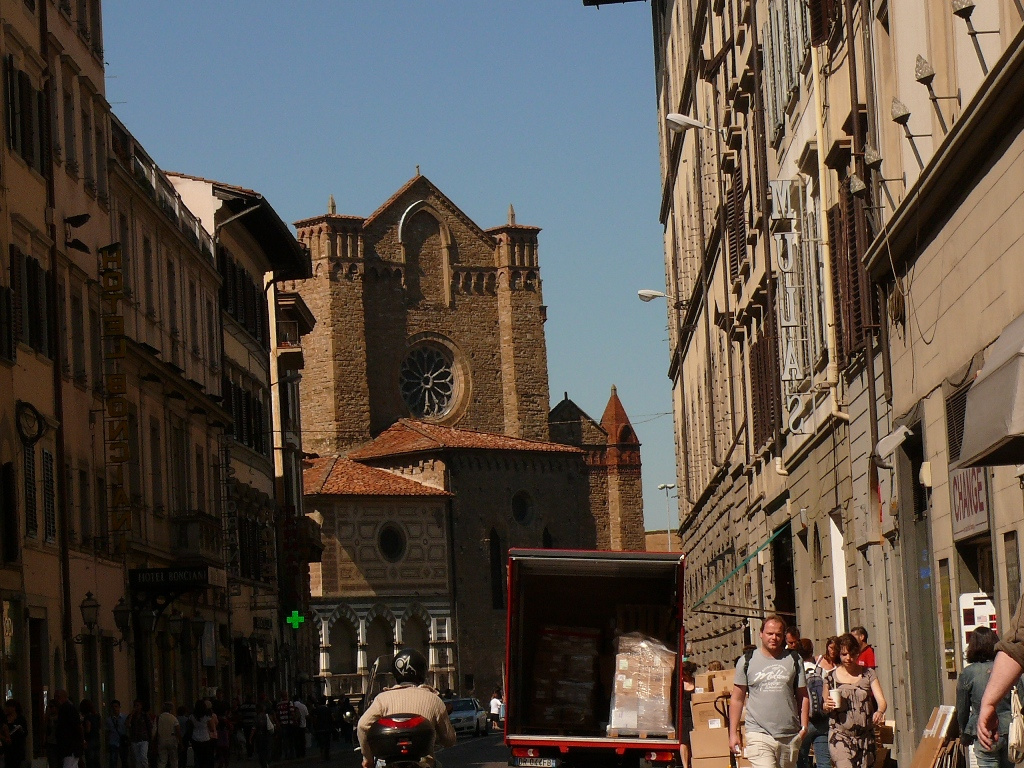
(410, 436)
(339, 476)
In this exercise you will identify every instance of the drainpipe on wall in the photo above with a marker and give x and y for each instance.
(832, 369)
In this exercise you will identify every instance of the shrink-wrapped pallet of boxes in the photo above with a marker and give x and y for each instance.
(642, 687)
(565, 678)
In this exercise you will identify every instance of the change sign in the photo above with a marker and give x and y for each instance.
(968, 497)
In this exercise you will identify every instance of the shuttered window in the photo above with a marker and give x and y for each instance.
(8, 346)
(956, 412)
(736, 223)
(764, 373)
(49, 499)
(26, 117)
(31, 493)
(821, 13)
(9, 513)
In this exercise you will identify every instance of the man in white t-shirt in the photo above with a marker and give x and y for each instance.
(301, 713)
(494, 718)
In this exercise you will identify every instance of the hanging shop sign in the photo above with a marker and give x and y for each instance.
(115, 382)
(969, 501)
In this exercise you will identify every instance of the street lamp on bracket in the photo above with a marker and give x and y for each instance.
(646, 294)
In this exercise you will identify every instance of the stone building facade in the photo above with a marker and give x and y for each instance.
(840, 182)
(428, 362)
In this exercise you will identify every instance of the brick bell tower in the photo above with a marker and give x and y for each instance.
(625, 490)
(335, 357)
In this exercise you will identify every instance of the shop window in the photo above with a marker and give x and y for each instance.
(946, 612)
(1011, 552)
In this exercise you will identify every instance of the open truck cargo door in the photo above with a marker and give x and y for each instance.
(566, 612)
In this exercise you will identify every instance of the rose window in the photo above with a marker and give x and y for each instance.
(428, 382)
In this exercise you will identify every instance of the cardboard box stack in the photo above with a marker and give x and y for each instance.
(641, 687)
(709, 708)
(565, 677)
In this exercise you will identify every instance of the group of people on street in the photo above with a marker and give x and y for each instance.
(212, 730)
(797, 706)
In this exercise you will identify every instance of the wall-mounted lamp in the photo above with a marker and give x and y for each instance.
(900, 114)
(123, 621)
(90, 609)
(857, 185)
(646, 294)
(74, 222)
(964, 9)
(678, 123)
(924, 73)
(872, 159)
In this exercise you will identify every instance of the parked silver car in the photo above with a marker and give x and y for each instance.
(468, 716)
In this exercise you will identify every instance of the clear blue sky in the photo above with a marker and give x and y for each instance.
(544, 104)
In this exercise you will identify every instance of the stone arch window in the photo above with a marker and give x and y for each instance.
(546, 540)
(343, 648)
(392, 542)
(522, 508)
(416, 634)
(380, 639)
(497, 571)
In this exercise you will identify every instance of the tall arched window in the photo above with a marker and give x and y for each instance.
(497, 571)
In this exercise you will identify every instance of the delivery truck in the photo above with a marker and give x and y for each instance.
(593, 657)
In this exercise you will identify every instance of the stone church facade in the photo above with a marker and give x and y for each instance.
(433, 450)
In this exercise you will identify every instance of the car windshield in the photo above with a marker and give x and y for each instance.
(463, 705)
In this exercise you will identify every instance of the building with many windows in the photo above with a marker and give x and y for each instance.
(841, 252)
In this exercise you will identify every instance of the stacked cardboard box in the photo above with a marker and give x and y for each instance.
(642, 687)
(565, 678)
(709, 709)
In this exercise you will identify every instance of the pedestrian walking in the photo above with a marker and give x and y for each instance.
(855, 705)
(688, 670)
(494, 716)
(246, 722)
(770, 681)
(793, 638)
(981, 652)
(91, 733)
(323, 728)
(13, 734)
(263, 733)
(817, 718)
(53, 758)
(285, 734)
(70, 741)
(117, 736)
(224, 730)
(866, 654)
(203, 731)
(185, 731)
(140, 733)
(168, 738)
(300, 713)
(829, 660)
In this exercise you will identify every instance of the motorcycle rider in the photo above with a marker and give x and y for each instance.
(410, 696)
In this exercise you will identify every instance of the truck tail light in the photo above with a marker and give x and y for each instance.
(660, 757)
(525, 752)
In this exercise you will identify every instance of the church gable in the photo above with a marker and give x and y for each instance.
(570, 425)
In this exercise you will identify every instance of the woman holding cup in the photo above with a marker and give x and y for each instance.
(855, 704)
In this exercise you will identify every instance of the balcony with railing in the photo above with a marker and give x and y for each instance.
(196, 537)
(126, 152)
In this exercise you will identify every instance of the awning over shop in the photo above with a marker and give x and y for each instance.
(994, 421)
(697, 606)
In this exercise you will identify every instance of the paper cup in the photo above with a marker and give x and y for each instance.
(837, 697)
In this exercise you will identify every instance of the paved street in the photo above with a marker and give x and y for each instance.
(485, 752)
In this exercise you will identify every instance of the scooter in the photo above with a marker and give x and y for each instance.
(402, 741)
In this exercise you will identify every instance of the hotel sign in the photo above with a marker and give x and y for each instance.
(969, 501)
(115, 382)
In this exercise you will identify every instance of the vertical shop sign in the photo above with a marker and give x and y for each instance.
(791, 320)
(115, 413)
